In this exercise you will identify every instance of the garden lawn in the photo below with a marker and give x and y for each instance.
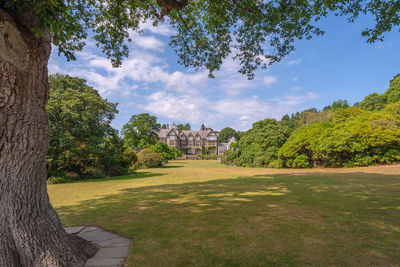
(201, 213)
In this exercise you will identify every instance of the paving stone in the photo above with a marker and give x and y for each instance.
(115, 252)
(98, 235)
(114, 249)
(73, 230)
(89, 228)
(116, 242)
(104, 262)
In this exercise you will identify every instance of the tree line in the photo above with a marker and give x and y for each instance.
(340, 135)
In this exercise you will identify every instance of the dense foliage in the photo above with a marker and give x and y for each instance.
(259, 146)
(375, 101)
(161, 148)
(226, 134)
(338, 136)
(149, 159)
(258, 33)
(82, 142)
(141, 131)
(353, 138)
(184, 126)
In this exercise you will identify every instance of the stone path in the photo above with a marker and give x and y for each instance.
(113, 249)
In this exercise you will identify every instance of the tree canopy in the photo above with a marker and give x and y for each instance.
(140, 131)
(184, 126)
(164, 150)
(256, 33)
(82, 140)
(227, 133)
(80, 124)
(259, 146)
(353, 138)
(375, 101)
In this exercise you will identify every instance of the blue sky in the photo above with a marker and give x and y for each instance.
(338, 65)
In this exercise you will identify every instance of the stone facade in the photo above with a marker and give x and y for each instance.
(190, 142)
(224, 147)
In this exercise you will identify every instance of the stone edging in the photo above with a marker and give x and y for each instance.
(113, 248)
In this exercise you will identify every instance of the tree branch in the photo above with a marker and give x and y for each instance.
(167, 6)
(245, 8)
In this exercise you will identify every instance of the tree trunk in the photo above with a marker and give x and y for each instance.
(31, 233)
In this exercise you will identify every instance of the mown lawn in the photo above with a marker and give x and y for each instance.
(201, 213)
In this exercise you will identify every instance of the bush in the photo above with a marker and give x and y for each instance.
(164, 150)
(223, 160)
(91, 173)
(57, 180)
(301, 162)
(259, 146)
(149, 159)
(128, 158)
(116, 170)
(392, 155)
(355, 137)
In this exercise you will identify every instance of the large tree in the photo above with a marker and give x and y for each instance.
(255, 32)
(140, 131)
(226, 134)
(80, 125)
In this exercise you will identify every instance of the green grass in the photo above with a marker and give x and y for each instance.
(200, 213)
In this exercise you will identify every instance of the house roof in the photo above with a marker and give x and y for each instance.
(163, 133)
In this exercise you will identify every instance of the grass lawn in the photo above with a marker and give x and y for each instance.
(201, 213)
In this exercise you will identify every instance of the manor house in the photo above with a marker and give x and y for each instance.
(190, 142)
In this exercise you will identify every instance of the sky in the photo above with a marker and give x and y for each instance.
(337, 65)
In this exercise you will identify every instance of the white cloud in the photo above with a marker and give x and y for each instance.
(293, 100)
(160, 29)
(149, 42)
(293, 62)
(269, 80)
(185, 107)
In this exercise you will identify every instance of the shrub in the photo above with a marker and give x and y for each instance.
(57, 180)
(149, 159)
(116, 170)
(355, 137)
(92, 173)
(164, 150)
(259, 146)
(301, 162)
(223, 160)
(392, 155)
(128, 160)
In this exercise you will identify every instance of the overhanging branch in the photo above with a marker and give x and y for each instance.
(245, 8)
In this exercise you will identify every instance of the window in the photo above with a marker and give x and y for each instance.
(172, 137)
(171, 143)
(212, 138)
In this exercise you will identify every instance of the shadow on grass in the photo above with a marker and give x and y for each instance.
(284, 219)
(135, 175)
(171, 166)
(311, 189)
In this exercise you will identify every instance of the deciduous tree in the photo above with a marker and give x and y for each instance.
(227, 133)
(80, 124)
(140, 131)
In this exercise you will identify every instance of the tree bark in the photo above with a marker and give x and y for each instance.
(31, 233)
